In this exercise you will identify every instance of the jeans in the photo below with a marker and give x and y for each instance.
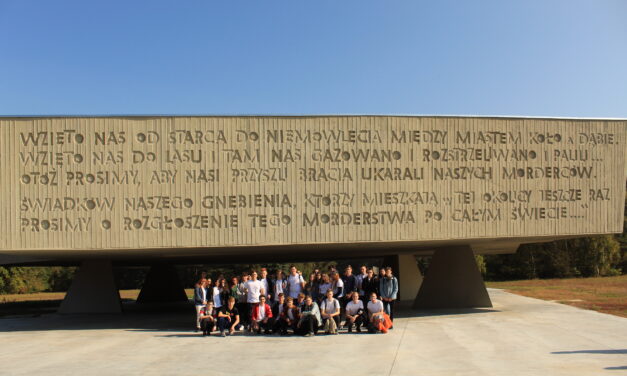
(198, 308)
(359, 321)
(308, 324)
(243, 312)
(388, 307)
(207, 325)
(224, 323)
(282, 326)
(265, 326)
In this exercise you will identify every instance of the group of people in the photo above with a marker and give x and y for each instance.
(282, 304)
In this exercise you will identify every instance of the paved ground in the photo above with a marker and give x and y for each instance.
(520, 336)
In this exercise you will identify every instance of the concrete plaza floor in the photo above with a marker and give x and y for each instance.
(519, 336)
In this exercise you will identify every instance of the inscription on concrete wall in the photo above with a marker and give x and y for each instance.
(81, 183)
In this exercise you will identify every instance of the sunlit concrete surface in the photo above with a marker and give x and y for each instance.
(519, 336)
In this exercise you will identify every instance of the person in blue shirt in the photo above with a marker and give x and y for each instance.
(388, 288)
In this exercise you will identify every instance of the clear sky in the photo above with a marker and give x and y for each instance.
(527, 57)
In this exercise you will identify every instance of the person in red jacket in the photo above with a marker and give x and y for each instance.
(261, 314)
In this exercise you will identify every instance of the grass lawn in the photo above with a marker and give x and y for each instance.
(38, 303)
(603, 294)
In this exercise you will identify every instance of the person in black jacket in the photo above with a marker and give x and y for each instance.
(288, 318)
(370, 284)
(277, 308)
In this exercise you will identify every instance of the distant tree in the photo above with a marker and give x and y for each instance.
(581, 257)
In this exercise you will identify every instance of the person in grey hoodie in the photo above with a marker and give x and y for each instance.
(388, 288)
(310, 318)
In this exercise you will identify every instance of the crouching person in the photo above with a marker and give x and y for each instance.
(330, 308)
(207, 316)
(379, 321)
(355, 314)
(310, 318)
(289, 317)
(277, 312)
(261, 316)
(228, 317)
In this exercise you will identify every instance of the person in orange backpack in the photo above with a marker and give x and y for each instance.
(379, 321)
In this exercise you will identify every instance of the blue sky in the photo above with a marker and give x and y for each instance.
(528, 57)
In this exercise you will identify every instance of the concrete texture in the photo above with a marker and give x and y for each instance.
(519, 336)
(409, 277)
(93, 290)
(452, 280)
(195, 183)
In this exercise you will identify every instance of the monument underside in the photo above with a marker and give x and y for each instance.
(274, 253)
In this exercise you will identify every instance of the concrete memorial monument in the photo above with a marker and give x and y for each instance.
(163, 188)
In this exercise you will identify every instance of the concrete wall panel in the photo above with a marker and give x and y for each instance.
(74, 184)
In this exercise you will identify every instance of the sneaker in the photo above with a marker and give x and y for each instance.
(223, 334)
(358, 330)
(335, 332)
(310, 334)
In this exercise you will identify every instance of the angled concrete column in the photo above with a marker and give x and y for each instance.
(162, 285)
(93, 290)
(453, 280)
(405, 268)
(410, 278)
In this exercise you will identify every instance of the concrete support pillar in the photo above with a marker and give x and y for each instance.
(453, 280)
(162, 285)
(405, 268)
(93, 290)
(410, 276)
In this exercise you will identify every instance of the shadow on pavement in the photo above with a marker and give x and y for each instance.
(142, 317)
(405, 310)
(622, 351)
(177, 317)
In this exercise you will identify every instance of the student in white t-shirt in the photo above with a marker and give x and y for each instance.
(254, 289)
(375, 306)
(330, 311)
(278, 286)
(376, 313)
(265, 283)
(355, 313)
(295, 283)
